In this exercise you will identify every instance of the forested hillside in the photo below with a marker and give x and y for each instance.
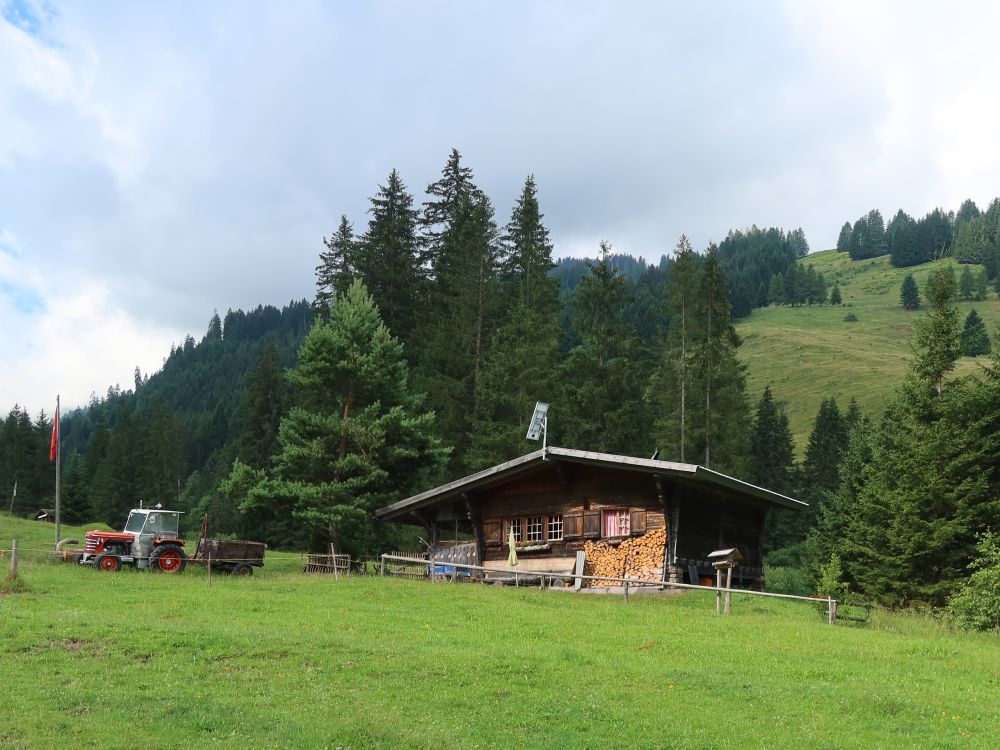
(438, 323)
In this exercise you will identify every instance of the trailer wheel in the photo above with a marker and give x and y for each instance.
(108, 563)
(78, 558)
(168, 558)
(243, 570)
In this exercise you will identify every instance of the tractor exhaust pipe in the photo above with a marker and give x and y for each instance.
(66, 555)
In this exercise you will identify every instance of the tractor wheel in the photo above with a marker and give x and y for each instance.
(108, 563)
(78, 558)
(168, 558)
(243, 570)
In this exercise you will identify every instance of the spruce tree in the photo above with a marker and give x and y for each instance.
(522, 366)
(844, 238)
(835, 298)
(966, 284)
(263, 405)
(975, 341)
(336, 265)
(981, 286)
(723, 429)
(454, 185)
(459, 321)
(671, 389)
(357, 438)
(776, 290)
(605, 375)
(937, 342)
(771, 448)
(388, 257)
(909, 294)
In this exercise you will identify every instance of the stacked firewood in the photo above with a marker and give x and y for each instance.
(641, 558)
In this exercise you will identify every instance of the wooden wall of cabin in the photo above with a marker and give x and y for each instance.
(709, 520)
(580, 495)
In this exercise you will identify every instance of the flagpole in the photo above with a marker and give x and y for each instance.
(58, 433)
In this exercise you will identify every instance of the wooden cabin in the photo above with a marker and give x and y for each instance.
(557, 501)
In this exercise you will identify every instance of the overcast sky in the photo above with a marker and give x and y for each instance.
(160, 161)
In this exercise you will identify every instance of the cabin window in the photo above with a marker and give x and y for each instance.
(512, 524)
(536, 525)
(531, 529)
(616, 522)
(555, 528)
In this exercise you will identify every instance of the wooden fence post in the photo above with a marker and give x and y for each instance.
(831, 609)
(13, 559)
(718, 590)
(381, 567)
(729, 585)
(626, 592)
(210, 567)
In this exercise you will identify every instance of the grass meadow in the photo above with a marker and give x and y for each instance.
(289, 660)
(808, 353)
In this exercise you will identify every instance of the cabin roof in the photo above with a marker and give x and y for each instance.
(502, 472)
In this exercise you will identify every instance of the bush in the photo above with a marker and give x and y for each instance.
(830, 581)
(976, 605)
(781, 580)
(850, 318)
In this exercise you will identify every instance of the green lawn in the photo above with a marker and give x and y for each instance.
(808, 353)
(289, 660)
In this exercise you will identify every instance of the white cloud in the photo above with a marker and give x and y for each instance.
(158, 163)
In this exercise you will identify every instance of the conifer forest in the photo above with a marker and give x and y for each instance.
(440, 318)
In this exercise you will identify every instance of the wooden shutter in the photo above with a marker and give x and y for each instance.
(573, 525)
(637, 523)
(592, 524)
(491, 532)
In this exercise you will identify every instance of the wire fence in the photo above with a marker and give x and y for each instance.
(545, 579)
(423, 567)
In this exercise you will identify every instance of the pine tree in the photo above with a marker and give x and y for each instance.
(975, 341)
(358, 437)
(835, 298)
(909, 294)
(336, 265)
(937, 342)
(388, 257)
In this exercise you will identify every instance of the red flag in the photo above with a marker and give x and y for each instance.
(55, 435)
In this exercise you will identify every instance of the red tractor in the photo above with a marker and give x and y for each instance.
(149, 541)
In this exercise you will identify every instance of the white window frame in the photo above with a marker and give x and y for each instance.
(554, 528)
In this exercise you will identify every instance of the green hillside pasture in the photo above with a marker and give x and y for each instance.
(808, 353)
(290, 660)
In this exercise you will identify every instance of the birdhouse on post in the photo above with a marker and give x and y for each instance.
(724, 560)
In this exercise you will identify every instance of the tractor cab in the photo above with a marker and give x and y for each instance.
(151, 527)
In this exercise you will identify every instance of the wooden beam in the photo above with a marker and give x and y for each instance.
(476, 521)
